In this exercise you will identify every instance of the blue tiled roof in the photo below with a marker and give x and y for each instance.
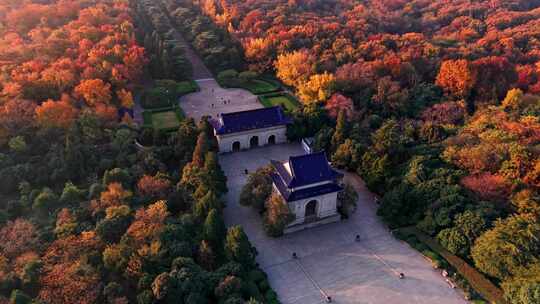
(250, 120)
(291, 196)
(310, 169)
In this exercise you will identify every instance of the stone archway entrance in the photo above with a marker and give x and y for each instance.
(236, 146)
(272, 140)
(311, 211)
(254, 142)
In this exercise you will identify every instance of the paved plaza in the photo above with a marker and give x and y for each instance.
(331, 262)
(213, 100)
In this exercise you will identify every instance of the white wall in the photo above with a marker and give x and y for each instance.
(326, 206)
(226, 141)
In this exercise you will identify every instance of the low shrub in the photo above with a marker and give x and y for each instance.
(166, 93)
(264, 285)
(257, 276)
(271, 296)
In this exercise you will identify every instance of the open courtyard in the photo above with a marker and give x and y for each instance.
(212, 100)
(330, 261)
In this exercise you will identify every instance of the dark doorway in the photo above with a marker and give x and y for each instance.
(311, 209)
(236, 146)
(272, 140)
(254, 142)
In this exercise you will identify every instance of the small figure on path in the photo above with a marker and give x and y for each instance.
(246, 171)
(294, 255)
(401, 275)
(329, 299)
(357, 238)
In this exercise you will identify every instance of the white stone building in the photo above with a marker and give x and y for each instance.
(310, 187)
(249, 129)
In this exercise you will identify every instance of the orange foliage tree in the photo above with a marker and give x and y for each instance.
(59, 114)
(456, 77)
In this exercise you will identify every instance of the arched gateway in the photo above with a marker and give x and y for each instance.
(311, 209)
(254, 142)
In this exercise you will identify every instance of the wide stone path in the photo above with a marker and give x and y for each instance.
(330, 261)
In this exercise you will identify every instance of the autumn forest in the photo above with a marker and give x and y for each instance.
(434, 104)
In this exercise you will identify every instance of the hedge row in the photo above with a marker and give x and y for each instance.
(478, 281)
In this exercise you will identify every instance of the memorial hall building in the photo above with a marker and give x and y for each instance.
(310, 187)
(249, 129)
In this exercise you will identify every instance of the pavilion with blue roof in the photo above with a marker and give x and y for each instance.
(249, 129)
(310, 187)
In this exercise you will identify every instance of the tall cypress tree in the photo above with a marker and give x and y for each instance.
(200, 150)
(214, 175)
(340, 134)
(237, 247)
(75, 162)
(214, 230)
(203, 206)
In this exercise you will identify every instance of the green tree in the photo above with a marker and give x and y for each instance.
(277, 216)
(201, 148)
(388, 139)
(74, 153)
(257, 189)
(214, 229)
(237, 247)
(471, 224)
(374, 170)
(18, 144)
(71, 194)
(522, 291)
(30, 275)
(206, 256)
(229, 286)
(509, 248)
(348, 155)
(19, 297)
(184, 141)
(117, 175)
(203, 206)
(213, 174)
(111, 228)
(46, 201)
(453, 240)
(192, 177)
(341, 131)
(347, 200)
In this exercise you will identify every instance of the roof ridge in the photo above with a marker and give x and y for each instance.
(252, 110)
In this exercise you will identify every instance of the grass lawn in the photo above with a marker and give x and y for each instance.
(186, 87)
(284, 100)
(163, 119)
(257, 86)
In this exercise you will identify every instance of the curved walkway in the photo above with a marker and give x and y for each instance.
(330, 261)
